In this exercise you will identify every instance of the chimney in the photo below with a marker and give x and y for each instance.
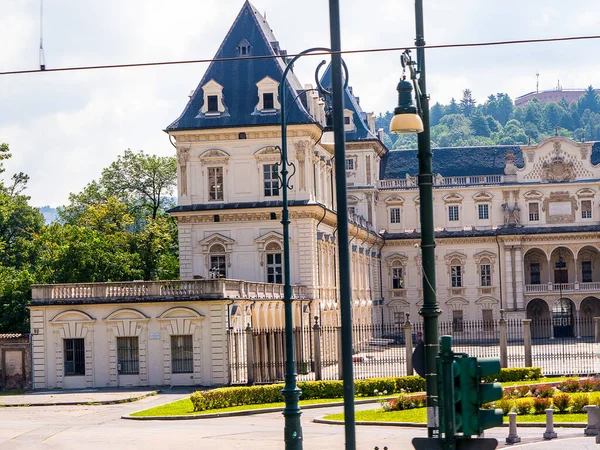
(380, 134)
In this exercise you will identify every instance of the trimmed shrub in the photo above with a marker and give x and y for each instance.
(523, 391)
(578, 401)
(541, 404)
(569, 386)
(403, 402)
(561, 402)
(542, 390)
(523, 406)
(506, 405)
(516, 374)
(595, 399)
(589, 385)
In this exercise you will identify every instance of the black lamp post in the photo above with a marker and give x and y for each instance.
(409, 119)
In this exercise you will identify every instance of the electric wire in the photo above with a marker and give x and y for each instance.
(345, 52)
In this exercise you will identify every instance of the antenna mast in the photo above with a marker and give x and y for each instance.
(41, 56)
(537, 83)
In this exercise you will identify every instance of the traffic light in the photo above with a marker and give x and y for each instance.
(448, 371)
(489, 392)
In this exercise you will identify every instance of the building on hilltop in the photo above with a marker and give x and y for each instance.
(517, 229)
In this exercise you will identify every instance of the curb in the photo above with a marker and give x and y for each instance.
(424, 425)
(104, 402)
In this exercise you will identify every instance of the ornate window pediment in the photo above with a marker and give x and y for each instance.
(396, 259)
(461, 257)
(216, 243)
(453, 197)
(72, 315)
(457, 302)
(394, 200)
(126, 314)
(180, 312)
(353, 200)
(585, 192)
(213, 104)
(533, 195)
(483, 197)
(268, 154)
(484, 301)
(269, 242)
(484, 254)
(215, 157)
(268, 101)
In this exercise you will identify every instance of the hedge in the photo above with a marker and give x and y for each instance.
(255, 395)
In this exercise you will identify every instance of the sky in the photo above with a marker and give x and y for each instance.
(63, 128)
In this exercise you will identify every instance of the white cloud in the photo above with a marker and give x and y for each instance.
(64, 128)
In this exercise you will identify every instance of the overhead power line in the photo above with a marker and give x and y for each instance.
(345, 52)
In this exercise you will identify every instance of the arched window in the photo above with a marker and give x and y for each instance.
(397, 276)
(218, 261)
(485, 272)
(274, 263)
(456, 274)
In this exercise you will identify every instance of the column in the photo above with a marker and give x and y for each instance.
(519, 288)
(508, 275)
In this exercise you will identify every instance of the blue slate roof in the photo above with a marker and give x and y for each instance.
(239, 78)
(362, 131)
(595, 156)
(451, 161)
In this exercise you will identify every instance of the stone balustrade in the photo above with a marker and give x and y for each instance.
(532, 289)
(172, 289)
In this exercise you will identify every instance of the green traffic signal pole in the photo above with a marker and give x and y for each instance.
(430, 310)
(342, 222)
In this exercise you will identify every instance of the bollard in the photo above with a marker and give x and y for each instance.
(512, 438)
(549, 433)
(593, 418)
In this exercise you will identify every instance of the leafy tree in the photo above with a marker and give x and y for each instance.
(553, 114)
(500, 107)
(467, 102)
(533, 112)
(479, 124)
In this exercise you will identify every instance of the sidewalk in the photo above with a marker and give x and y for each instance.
(97, 396)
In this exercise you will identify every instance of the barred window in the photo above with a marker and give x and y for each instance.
(271, 180)
(457, 320)
(395, 215)
(534, 212)
(182, 354)
(586, 209)
(128, 355)
(397, 278)
(74, 357)
(349, 164)
(456, 276)
(453, 213)
(485, 272)
(484, 211)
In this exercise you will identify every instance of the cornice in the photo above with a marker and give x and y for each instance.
(254, 132)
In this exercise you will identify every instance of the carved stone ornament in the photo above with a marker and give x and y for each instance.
(183, 156)
(214, 156)
(557, 169)
(530, 155)
(509, 159)
(560, 207)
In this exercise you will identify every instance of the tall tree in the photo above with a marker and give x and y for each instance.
(467, 102)
(590, 100)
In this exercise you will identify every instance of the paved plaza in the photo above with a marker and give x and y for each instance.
(101, 427)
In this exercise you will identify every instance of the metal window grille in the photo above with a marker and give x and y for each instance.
(484, 212)
(128, 355)
(349, 164)
(218, 265)
(534, 212)
(586, 271)
(486, 274)
(215, 183)
(456, 275)
(274, 268)
(586, 209)
(397, 278)
(271, 181)
(395, 215)
(453, 213)
(74, 357)
(182, 354)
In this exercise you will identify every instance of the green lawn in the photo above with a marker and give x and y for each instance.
(540, 381)
(418, 415)
(13, 392)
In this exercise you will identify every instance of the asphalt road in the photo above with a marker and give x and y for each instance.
(100, 427)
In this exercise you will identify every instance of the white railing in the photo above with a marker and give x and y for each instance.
(562, 287)
(593, 286)
(535, 288)
(410, 182)
(142, 290)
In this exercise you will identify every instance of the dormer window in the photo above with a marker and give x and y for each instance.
(346, 120)
(267, 96)
(213, 99)
(243, 48)
(349, 120)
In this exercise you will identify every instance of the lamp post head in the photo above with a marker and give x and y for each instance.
(406, 119)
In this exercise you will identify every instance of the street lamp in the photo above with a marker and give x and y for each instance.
(409, 119)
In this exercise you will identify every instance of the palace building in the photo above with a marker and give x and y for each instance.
(517, 229)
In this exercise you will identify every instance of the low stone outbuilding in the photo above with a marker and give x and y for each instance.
(15, 362)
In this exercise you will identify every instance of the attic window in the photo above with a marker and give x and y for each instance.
(268, 101)
(213, 103)
(348, 120)
(243, 48)
(267, 96)
(213, 99)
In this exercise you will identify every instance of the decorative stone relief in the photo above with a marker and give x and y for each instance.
(301, 149)
(214, 157)
(509, 160)
(558, 168)
(530, 155)
(183, 156)
(560, 207)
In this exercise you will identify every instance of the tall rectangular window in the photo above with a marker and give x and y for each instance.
(586, 271)
(457, 320)
(488, 319)
(349, 164)
(215, 183)
(74, 354)
(586, 209)
(274, 268)
(453, 213)
(534, 273)
(484, 211)
(128, 355)
(270, 180)
(397, 278)
(268, 101)
(534, 212)
(485, 272)
(456, 276)
(182, 354)
(213, 103)
(218, 266)
(395, 215)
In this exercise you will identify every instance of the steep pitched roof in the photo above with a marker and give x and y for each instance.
(451, 161)
(239, 79)
(361, 131)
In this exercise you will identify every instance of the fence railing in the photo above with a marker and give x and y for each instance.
(560, 346)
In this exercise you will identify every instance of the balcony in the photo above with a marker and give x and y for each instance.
(533, 289)
(144, 291)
